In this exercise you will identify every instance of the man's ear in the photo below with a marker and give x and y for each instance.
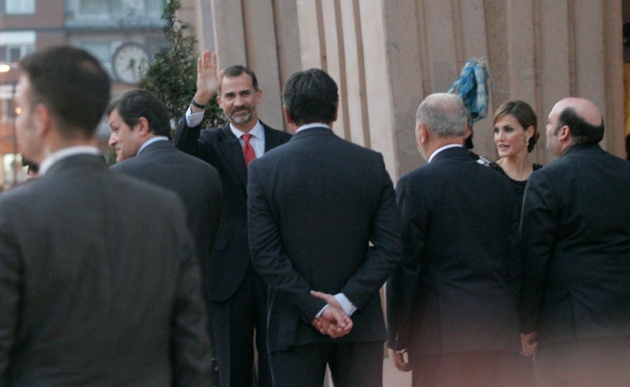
(421, 134)
(468, 131)
(287, 117)
(292, 126)
(564, 133)
(42, 119)
(142, 126)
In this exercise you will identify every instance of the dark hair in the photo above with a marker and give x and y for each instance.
(72, 84)
(581, 131)
(311, 96)
(525, 116)
(141, 103)
(237, 70)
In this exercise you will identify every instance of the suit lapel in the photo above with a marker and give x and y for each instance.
(233, 153)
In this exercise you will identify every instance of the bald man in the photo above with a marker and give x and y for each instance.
(575, 239)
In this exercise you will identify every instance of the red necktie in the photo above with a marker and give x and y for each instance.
(248, 151)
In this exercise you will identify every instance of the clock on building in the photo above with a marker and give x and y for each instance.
(126, 62)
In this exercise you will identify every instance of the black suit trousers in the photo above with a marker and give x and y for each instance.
(351, 364)
(237, 320)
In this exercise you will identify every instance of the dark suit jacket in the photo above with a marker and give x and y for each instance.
(456, 289)
(575, 233)
(315, 204)
(219, 147)
(196, 182)
(99, 284)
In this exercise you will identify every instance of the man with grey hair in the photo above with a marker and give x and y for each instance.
(452, 302)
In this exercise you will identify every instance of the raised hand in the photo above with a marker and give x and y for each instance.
(208, 80)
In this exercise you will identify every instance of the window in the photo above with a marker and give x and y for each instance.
(99, 6)
(16, 7)
(14, 45)
(154, 8)
(101, 51)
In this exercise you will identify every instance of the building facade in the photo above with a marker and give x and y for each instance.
(120, 33)
(387, 56)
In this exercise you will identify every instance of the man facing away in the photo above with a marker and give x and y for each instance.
(237, 294)
(451, 304)
(99, 282)
(322, 217)
(575, 237)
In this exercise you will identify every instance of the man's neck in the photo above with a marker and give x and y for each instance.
(246, 127)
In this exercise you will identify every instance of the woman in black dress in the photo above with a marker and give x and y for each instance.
(515, 134)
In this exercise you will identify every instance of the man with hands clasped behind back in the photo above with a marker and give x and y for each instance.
(237, 295)
(322, 217)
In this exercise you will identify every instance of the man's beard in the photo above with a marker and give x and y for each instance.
(241, 119)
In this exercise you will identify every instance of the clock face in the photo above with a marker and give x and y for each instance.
(126, 62)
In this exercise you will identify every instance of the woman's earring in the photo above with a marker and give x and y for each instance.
(527, 141)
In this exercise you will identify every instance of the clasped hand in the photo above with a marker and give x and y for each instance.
(333, 321)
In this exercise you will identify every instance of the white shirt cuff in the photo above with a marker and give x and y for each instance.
(347, 306)
(193, 119)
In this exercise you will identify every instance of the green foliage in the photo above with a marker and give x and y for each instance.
(172, 73)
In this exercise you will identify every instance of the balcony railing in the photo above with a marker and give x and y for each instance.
(118, 20)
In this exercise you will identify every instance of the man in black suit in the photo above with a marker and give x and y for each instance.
(140, 131)
(99, 283)
(451, 304)
(315, 204)
(575, 237)
(237, 294)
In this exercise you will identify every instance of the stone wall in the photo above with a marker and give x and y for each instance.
(387, 55)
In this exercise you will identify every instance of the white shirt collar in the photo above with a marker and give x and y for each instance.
(151, 141)
(312, 125)
(66, 152)
(257, 131)
(438, 150)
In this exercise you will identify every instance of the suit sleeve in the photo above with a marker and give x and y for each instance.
(385, 251)
(187, 138)
(10, 295)
(191, 350)
(539, 223)
(268, 259)
(402, 287)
